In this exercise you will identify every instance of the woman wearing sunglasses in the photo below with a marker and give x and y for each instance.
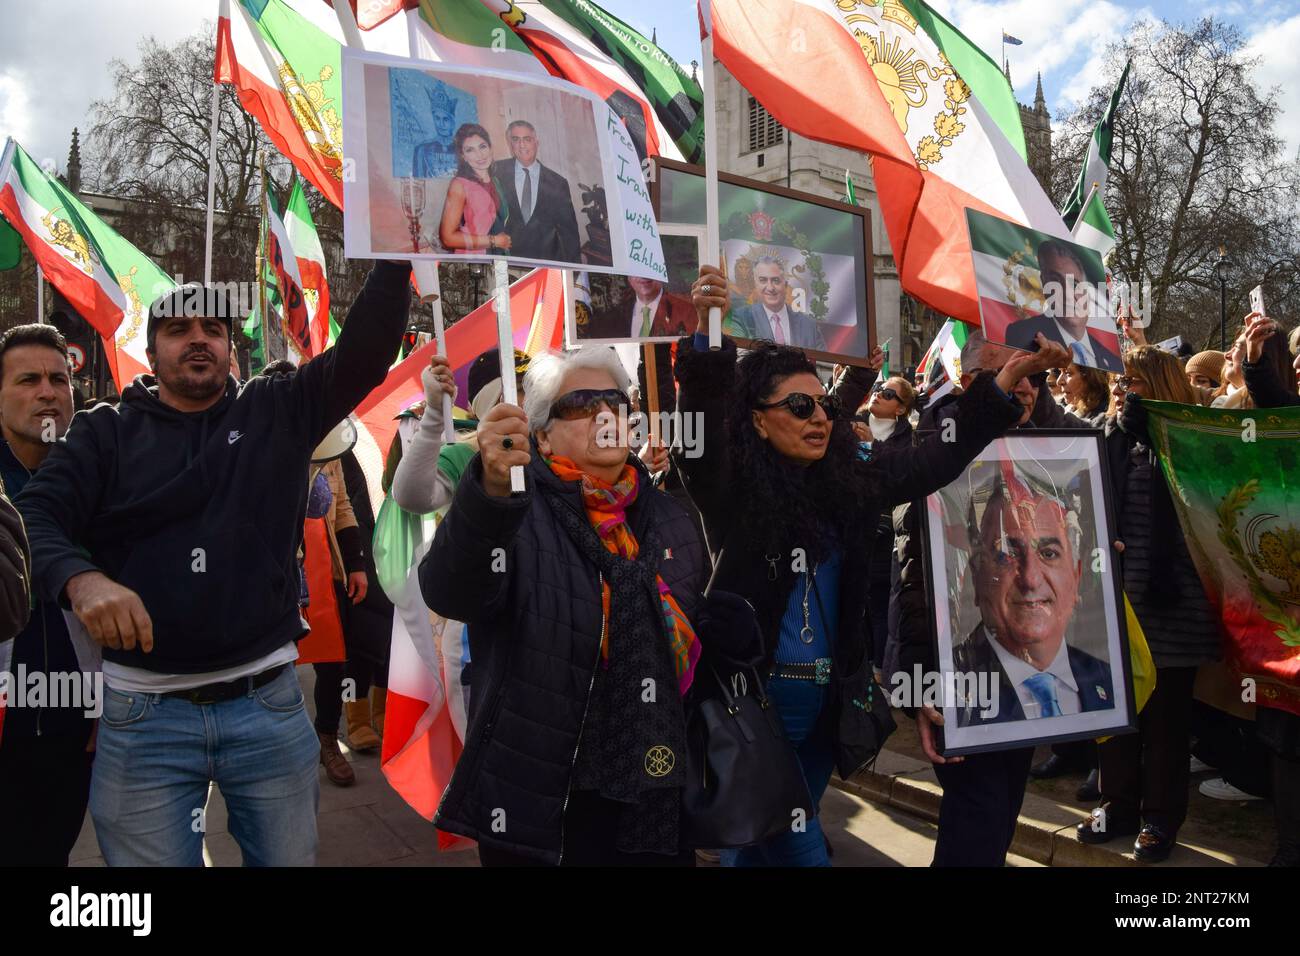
(579, 594)
(790, 511)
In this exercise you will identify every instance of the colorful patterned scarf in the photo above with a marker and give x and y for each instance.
(606, 507)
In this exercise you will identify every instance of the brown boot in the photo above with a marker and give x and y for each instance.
(361, 736)
(337, 768)
(378, 703)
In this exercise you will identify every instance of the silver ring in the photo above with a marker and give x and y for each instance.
(706, 290)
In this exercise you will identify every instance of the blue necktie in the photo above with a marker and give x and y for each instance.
(1079, 357)
(1043, 687)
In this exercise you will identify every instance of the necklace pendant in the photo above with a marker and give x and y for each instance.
(806, 634)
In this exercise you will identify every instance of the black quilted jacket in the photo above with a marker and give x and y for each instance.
(535, 628)
(705, 379)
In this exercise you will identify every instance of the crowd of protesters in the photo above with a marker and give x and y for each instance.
(164, 547)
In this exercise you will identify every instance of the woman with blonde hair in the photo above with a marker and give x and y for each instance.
(1144, 776)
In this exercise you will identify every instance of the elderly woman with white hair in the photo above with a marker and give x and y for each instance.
(579, 592)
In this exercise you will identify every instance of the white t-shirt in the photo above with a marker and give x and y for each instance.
(137, 680)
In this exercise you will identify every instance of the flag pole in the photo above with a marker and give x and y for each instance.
(40, 295)
(440, 336)
(261, 257)
(223, 11)
(713, 244)
(348, 24)
(506, 349)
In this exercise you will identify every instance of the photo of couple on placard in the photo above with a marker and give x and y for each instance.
(516, 205)
(452, 162)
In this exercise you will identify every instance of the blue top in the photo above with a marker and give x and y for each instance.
(823, 615)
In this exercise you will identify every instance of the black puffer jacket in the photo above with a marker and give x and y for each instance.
(535, 631)
(705, 379)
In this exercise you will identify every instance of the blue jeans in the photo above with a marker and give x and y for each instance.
(156, 756)
(799, 704)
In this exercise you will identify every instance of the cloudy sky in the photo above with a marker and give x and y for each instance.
(54, 56)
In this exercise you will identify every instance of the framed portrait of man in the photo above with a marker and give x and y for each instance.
(798, 266)
(1030, 282)
(1029, 618)
(611, 309)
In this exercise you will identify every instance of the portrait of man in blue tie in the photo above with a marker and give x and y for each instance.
(1071, 299)
(1027, 570)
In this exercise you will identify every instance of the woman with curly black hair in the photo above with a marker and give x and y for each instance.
(790, 509)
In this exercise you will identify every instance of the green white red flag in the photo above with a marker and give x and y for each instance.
(284, 64)
(107, 280)
(895, 80)
(1232, 475)
(309, 255)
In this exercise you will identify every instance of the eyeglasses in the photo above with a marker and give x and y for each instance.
(1126, 382)
(888, 394)
(586, 402)
(801, 405)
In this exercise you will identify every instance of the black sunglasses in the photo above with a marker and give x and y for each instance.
(888, 394)
(586, 402)
(801, 405)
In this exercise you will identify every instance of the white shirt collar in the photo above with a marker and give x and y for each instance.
(1018, 671)
(636, 312)
(1069, 339)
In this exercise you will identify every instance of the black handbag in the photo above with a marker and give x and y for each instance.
(744, 782)
(863, 720)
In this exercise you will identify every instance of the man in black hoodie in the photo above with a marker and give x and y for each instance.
(170, 525)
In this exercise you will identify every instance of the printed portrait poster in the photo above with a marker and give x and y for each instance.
(1029, 618)
(798, 265)
(610, 309)
(1030, 282)
(451, 162)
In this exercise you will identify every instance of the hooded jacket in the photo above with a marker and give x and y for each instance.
(201, 513)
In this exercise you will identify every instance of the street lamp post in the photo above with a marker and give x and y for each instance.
(1221, 270)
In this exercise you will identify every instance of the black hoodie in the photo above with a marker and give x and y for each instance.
(201, 513)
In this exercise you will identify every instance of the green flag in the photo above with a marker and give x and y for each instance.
(11, 246)
(1233, 478)
(1096, 166)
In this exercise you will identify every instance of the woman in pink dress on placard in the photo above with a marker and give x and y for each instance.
(474, 214)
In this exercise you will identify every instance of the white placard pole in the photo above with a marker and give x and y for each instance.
(506, 348)
(40, 296)
(440, 336)
(712, 241)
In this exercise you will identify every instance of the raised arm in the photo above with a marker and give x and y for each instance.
(983, 413)
(329, 386)
(418, 485)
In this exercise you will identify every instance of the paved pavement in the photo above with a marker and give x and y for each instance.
(368, 824)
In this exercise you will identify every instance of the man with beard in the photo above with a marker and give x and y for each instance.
(170, 525)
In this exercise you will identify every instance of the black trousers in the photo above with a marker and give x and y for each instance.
(590, 827)
(44, 788)
(1145, 775)
(982, 796)
(328, 693)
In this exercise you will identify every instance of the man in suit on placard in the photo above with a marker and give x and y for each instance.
(1027, 573)
(649, 310)
(771, 317)
(541, 222)
(1071, 298)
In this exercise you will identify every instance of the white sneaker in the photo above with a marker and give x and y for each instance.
(1220, 789)
(1199, 766)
